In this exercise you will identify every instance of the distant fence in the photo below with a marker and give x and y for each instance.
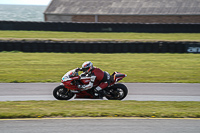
(100, 27)
(100, 47)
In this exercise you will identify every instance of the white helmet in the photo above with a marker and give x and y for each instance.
(87, 67)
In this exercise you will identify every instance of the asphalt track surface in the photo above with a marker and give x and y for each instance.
(98, 125)
(137, 91)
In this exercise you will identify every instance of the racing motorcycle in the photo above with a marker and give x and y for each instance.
(70, 87)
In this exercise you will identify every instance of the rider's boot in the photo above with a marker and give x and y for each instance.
(99, 92)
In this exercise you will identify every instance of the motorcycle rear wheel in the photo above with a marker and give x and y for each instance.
(62, 93)
(117, 92)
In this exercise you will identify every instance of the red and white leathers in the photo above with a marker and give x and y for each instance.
(98, 79)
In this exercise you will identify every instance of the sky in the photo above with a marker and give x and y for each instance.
(25, 2)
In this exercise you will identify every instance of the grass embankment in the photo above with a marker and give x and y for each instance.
(94, 36)
(39, 109)
(50, 67)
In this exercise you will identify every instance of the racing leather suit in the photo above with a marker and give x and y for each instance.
(98, 78)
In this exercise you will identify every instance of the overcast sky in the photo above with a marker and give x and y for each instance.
(25, 2)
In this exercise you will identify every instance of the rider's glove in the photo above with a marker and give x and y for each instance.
(77, 69)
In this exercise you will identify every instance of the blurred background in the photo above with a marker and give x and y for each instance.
(23, 10)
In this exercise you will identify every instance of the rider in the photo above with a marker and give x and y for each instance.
(98, 78)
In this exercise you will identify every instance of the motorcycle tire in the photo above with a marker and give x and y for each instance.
(62, 93)
(114, 92)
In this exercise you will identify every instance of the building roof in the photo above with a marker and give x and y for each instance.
(124, 7)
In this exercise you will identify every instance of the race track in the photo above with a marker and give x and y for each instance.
(100, 125)
(137, 91)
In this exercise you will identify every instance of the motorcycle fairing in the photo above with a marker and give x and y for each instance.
(84, 94)
(71, 79)
(117, 76)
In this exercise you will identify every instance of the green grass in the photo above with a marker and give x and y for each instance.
(153, 109)
(50, 67)
(85, 36)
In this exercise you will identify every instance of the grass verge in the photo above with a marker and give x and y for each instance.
(153, 109)
(95, 36)
(50, 67)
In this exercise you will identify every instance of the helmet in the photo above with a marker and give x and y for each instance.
(87, 66)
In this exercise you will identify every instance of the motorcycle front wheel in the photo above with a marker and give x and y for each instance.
(62, 93)
(117, 92)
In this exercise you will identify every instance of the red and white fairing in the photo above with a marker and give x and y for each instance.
(70, 79)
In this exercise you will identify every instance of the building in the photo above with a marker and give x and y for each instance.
(120, 11)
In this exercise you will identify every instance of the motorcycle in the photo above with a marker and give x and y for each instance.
(70, 87)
